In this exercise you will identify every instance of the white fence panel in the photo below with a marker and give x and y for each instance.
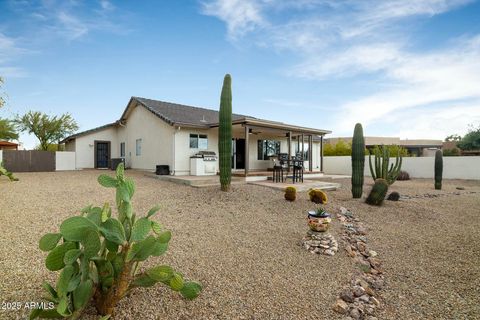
(65, 160)
(417, 167)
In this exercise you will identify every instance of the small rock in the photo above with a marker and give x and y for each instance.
(369, 311)
(375, 301)
(334, 249)
(358, 291)
(361, 246)
(364, 298)
(362, 283)
(355, 313)
(329, 252)
(372, 253)
(340, 306)
(350, 252)
(324, 246)
(347, 296)
(361, 230)
(460, 188)
(369, 291)
(343, 210)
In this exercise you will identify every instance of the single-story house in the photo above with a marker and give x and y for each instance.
(151, 133)
(7, 145)
(416, 147)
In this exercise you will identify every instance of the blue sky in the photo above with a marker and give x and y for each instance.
(401, 68)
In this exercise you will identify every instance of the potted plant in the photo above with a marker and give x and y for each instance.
(318, 219)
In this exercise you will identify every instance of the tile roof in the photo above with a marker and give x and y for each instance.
(174, 113)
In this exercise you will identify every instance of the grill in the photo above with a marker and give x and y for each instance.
(206, 155)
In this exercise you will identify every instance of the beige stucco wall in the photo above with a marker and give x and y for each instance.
(417, 167)
(85, 150)
(157, 140)
(183, 152)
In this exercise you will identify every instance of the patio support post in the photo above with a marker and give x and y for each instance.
(303, 146)
(298, 145)
(247, 158)
(310, 155)
(289, 148)
(321, 153)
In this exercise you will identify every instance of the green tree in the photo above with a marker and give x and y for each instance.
(2, 101)
(7, 130)
(393, 150)
(453, 137)
(48, 129)
(471, 141)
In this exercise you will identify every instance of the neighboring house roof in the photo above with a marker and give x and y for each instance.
(371, 141)
(76, 135)
(8, 144)
(188, 116)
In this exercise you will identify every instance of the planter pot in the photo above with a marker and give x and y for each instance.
(318, 223)
(314, 214)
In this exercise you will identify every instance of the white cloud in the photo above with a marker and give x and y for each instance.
(346, 38)
(240, 16)
(71, 26)
(447, 76)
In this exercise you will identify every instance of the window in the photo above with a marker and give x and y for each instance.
(138, 147)
(268, 148)
(198, 141)
(122, 149)
(298, 152)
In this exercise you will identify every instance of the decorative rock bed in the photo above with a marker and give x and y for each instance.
(320, 243)
(435, 195)
(360, 298)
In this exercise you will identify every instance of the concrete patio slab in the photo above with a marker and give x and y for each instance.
(306, 185)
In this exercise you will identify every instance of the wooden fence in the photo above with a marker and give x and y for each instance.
(28, 161)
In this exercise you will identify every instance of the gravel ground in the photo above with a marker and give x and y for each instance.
(243, 246)
(429, 247)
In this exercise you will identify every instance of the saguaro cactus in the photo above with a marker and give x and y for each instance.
(358, 161)
(438, 169)
(382, 161)
(225, 134)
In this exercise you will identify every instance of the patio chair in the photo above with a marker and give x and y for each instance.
(298, 168)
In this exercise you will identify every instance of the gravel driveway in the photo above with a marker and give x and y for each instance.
(243, 246)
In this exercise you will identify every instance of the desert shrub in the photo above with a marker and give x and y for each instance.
(451, 152)
(290, 193)
(403, 175)
(99, 256)
(394, 196)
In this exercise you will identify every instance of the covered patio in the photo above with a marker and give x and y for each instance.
(256, 142)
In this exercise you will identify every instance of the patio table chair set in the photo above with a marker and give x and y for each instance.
(285, 165)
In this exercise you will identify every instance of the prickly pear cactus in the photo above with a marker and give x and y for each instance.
(98, 256)
(5, 172)
(378, 192)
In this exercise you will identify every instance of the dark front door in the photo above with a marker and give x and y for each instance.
(102, 154)
(239, 154)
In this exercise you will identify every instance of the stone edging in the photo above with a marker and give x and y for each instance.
(359, 299)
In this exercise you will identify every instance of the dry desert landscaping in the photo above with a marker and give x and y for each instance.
(245, 248)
